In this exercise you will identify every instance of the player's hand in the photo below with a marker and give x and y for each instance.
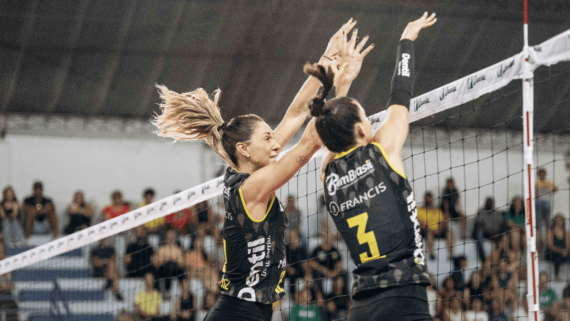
(413, 28)
(336, 42)
(352, 55)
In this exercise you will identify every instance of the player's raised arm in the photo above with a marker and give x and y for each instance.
(297, 112)
(394, 131)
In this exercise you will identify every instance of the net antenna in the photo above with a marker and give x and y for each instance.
(528, 67)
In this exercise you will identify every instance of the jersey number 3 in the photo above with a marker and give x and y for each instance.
(360, 220)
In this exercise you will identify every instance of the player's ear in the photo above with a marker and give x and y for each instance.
(242, 149)
(360, 131)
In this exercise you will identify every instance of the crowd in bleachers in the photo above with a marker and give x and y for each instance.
(179, 258)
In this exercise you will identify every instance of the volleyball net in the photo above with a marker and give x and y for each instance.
(474, 235)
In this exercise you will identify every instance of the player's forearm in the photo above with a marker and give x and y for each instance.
(342, 88)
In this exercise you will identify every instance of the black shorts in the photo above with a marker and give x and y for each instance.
(230, 308)
(405, 303)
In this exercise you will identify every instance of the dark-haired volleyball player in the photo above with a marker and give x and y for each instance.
(255, 222)
(369, 198)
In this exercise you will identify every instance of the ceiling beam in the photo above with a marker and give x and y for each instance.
(112, 65)
(24, 37)
(61, 73)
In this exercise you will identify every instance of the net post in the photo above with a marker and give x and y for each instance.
(530, 216)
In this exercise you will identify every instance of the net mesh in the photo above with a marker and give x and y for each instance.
(473, 228)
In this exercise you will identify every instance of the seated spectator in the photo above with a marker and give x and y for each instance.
(505, 285)
(448, 289)
(451, 206)
(476, 313)
(204, 218)
(117, 207)
(434, 225)
(515, 216)
(80, 213)
(197, 259)
(147, 301)
(544, 190)
(497, 312)
(292, 212)
(10, 215)
(489, 225)
(297, 260)
(458, 273)
(546, 295)
(326, 260)
(181, 220)
(138, 255)
(105, 266)
(37, 209)
(169, 260)
(304, 308)
(337, 301)
(474, 290)
(156, 226)
(8, 303)
(455, 311)
(557, 243)
(185, 306)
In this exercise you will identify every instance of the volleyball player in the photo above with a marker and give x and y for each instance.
(370, 199)
(255, 222)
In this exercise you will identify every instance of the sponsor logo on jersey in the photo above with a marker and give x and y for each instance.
(446, 91)
(404, 66)
(503, 69)
(420, 102)
(473, 80)
(334, 208)
(256, 255)
(227, 192)
(539, 48)
(334, 182)
(419, 257)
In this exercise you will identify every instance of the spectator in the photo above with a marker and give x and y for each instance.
(447, 291)
(544, 190)
(557, 243)
(169, 262)
(515, 216)
(297, 259)
(185, 306)
(337, 301)
(8, 304)
(325, 260)
(147, 301)
(546, 295)
(204, 219)
(117, 207)
(458, 273)
(497, 312)
(474, 290)
(505, 284)
(489, 225)
(455, 311)
(292, 212)
(476, 313)
(10, 214)
(181, 220)
(80, 213)
(434, 225)
(37, 209)
(138, 255)
(451, 206)
(197, 259)
(155, 226)
(105, 266)
(304, 309)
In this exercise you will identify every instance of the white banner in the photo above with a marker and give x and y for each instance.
(454, 94)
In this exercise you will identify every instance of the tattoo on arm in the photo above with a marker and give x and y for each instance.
(301, 159)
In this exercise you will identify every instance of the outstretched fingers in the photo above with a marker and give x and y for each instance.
(361, 44)
(366, 51)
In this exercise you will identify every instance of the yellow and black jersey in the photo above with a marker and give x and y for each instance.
(373, 208)
(254, 249)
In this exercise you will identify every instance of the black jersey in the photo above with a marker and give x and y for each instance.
(254, 249)
(373, 208)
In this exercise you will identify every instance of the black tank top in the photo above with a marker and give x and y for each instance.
(254, 249)
(373, 208)
(187, 305)
(559, 243)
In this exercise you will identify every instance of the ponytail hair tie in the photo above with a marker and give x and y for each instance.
(224, 125)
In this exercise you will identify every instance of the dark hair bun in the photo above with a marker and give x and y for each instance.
(316, 105)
